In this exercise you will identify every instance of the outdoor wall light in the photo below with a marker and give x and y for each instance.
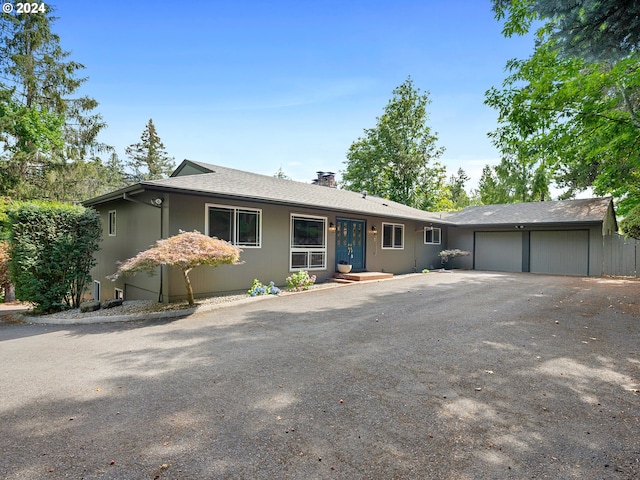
(373, 230)
(332, 227)
(520, 227)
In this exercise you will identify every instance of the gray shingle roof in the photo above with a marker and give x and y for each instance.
(232, 183)
(237, 184)
(561, 211)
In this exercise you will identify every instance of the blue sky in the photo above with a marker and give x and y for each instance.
(262, 85)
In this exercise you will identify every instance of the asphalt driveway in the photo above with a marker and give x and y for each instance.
(467, 375)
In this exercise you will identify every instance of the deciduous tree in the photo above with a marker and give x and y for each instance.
(397, 158)
(185, 251)
(575, 122)
(630, 224)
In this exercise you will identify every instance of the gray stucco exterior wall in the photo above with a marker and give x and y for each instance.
(139, 226)
(517, 237)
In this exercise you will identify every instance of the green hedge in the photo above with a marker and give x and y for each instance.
(52, 247)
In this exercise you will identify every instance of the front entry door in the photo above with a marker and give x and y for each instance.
(350, 242)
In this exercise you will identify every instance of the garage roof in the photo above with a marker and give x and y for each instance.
(589, 210)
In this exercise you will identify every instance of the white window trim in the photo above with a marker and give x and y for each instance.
(307, 250)
(235, 224)
(112, 233)
(116, 291)
(432, 229)
(392, 247)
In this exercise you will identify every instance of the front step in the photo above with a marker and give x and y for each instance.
(361, 276)
(335, 279)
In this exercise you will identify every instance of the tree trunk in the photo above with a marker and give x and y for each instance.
(9, 293)
(185, 274)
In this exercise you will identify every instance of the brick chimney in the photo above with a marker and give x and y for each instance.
(326, 179)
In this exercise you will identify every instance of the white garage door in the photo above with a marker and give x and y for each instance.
(498, 251)
(563, 252)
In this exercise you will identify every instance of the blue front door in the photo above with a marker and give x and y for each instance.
(350, 242)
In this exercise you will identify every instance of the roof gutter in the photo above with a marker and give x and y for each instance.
(331, 209)
(156, 202)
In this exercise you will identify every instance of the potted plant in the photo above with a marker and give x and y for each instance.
(344, 267)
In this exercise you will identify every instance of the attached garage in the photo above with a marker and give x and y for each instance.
(564, 237)
(498, 251)
(564, 252)
(561, 252)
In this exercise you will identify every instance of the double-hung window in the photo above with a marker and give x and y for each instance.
(392, 235)
(432, 235)
(308, 243)
(237, 225)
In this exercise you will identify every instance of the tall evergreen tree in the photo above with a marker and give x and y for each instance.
(459, 196)
(44, 128)
(281, 174)
(148, 158)
(490, 189)
(595, 30)
(397, 158)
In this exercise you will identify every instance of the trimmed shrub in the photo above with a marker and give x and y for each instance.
(51, 254)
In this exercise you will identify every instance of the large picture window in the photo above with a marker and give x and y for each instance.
(237, 225)
(392, 235)
(432, 235)
(308, 243)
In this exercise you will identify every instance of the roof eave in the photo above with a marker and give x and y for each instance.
(115, 195)
(513, 224)
(271, 201)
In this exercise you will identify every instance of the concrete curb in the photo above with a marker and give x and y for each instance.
(185, 312)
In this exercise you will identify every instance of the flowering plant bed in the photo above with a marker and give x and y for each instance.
(296, 282)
